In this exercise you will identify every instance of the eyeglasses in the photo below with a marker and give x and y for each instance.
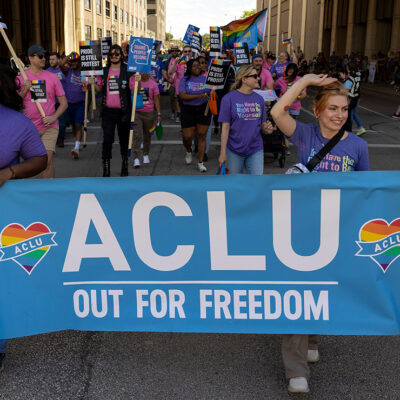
(186, 51)
(255, 76)
(115, 54)
(41, 56)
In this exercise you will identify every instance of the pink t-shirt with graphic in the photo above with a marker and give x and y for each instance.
(283, 85)
(112, 99)
(47, 87)
(266, 77)
(149, 89)
(266, 65)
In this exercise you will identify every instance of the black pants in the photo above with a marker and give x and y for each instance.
(114, 117)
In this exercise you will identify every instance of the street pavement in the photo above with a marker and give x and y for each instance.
(116, 365)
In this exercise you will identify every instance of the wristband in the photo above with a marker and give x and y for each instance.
(13, 172)
(158, 113)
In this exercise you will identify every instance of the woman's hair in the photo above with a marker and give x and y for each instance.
(8, 89)
(189, 66)
(241, 73)
(114, 47)
(295, 69)
(333, 89)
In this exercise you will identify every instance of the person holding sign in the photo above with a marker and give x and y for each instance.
(243, 118)
(266, 81)
(117, 105)
(350, 153)
(47, 88)
(144, 117)
(71, 68)
(194, 94)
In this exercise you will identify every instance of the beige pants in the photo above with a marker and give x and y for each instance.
(294, 354)
(144, 121)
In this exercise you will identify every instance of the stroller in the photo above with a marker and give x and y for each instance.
(275, 142)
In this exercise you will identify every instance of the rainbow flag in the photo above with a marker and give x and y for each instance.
(250, 30)
(184, 60)
(36, 82)
(287, 41)
(152, 129)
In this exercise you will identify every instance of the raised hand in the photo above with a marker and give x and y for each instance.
(318, 80)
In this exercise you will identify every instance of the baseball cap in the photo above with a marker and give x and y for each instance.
(36, 49)
(258, 56)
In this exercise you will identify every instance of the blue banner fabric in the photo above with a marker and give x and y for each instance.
(311, 253)
(187, 39)
(139, 56)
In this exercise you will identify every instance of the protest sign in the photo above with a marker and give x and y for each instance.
(91, 57)
(195, 44)
(139, 57)
(187, 39)
(155, 51)
(39, 88)
(180, 254)
(217, 74)
(242, 54)
(267, 95)
(106, 43)
(215, 41)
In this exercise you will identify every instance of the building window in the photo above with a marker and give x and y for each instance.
(99, 33)
(151, 1)
(131, 20)
(144, 25)
(98, 6)
(108, 9)
(108, 33)
(121, 15)
(115, 38)
(87, 5)
(127, 18)
(116, 13)
(150, 11)
(137, 22)
(140, 24)
(122, 38)
(88, 32)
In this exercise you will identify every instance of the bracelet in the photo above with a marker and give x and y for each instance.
(158, 113)
(13, 172)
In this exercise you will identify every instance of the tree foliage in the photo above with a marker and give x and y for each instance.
(246, 13)
(168, 36)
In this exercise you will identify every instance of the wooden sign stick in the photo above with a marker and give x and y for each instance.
(133, 115)
(85, 120)
(21, 69)
(93, 96)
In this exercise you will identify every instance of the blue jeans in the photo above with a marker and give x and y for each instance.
(354, 116)
(254, 164)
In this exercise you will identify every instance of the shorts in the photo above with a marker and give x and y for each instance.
(76, 112)
(194, 115)
(172, 92)
(49, 138)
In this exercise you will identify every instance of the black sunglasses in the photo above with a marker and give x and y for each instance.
(255, 76)
(115, 54)
(41, 56)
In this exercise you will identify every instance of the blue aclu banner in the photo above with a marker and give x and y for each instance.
(311, 253)
(139, 56)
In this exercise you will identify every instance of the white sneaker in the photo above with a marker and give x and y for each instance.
(312, 356)
(136, 163)
(298, 385)
(201, 167)
(172, 116)
(75, 153)
(188, 158)
(146, 160)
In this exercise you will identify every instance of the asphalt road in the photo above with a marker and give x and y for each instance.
(105, 365)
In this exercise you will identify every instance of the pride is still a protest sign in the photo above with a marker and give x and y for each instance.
(250, 254)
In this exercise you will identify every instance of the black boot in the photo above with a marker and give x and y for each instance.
(106, 167)
(124, 166)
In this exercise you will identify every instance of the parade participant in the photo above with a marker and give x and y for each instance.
(175, 110)
(269, 60)
(372, 69)
(349, 154)
(203, 65)
(116, 110)
(278, 69)
(47, 88)
(193, 94)
(71, 68)
(144, 117)
(243, 118)
(352, 83)
(54, 62)
(266, 81)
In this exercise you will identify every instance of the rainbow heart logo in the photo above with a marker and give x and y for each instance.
(380, 241)
(26, 246)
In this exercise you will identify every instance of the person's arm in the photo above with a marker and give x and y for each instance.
(184, 96)
(267, 127)
(157, 107)
(26, 87)
(171, 68)
(282, 119)
(50, 119)
(294, 57)
(224, 140)
(30, 167)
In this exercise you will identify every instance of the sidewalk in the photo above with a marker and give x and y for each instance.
(378, 87)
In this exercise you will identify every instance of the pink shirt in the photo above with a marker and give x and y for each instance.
(149, 89)
(112, 99)
(266, 77)
(266, 65)
(47, 86)
(179, 72)
(282, 84)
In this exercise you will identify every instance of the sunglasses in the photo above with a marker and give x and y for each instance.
(41, 56)
(255, 76)
(186, 51)
(115, 54)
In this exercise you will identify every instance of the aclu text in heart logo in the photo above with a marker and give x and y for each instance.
(380, 241)
(26, 246)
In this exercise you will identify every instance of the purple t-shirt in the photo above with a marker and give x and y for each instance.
(279, 69)
(59, 74)
(74, 86)
(194, 85)
(245, 113)
(350, 154)
(22, 140)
